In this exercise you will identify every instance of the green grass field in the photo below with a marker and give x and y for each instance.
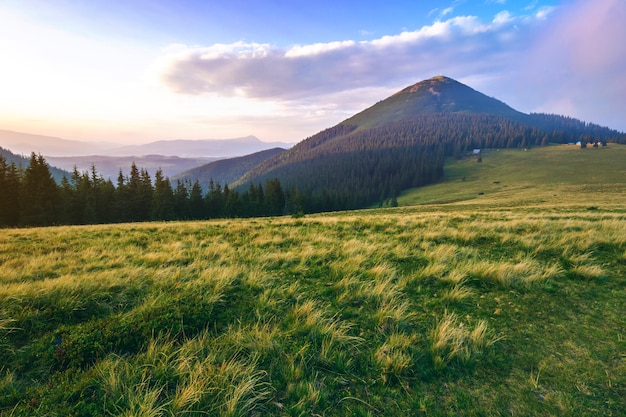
(555, 175)
(506, 303)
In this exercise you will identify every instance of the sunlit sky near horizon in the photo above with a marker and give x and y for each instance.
(138, 71)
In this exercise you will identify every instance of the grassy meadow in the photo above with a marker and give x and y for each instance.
(555, 175)
(460, 304)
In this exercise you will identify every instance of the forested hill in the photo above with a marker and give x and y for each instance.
(353, 169)
(226, 171)
(401, 142)
(22, 162)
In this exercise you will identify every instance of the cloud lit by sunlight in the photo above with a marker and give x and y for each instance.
(566, 59)
(318, 69)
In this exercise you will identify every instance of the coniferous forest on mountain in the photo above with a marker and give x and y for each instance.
(366, 167)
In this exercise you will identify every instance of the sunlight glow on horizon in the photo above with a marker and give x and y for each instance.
(60, 80)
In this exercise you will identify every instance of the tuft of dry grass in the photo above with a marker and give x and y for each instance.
(457, 294)
(588, 271)
(452, 340)
(394, 355)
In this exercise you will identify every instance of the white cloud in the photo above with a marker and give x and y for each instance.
(532, 5)
(544, 12)
(316, 49)
(446, 11)
(503, 18)
(267, 72)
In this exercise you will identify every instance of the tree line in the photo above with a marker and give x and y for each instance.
(346, 167)
(31, 197)
(570, 129)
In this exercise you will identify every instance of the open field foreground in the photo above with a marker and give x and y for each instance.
(430, 310)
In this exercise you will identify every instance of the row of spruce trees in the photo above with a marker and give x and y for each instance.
(31, 197)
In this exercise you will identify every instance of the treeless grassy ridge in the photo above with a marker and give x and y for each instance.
(490, 307)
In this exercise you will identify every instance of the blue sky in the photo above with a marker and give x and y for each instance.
(137, 71)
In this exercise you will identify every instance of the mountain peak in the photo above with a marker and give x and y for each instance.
(439, 94)
(431, 85)
(434, 81)
(440, 78)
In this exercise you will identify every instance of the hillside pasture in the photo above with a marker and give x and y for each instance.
(555, 175)
(475, 308)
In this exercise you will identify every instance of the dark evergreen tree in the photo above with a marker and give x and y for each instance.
(87, 192)
(232, 203)
(274, 198)
(73, 201)
(103, 191)
(196, 203)
(163, 198)
(214, 200)
(107, 205)
(121, 199)
(144, 196)
(39, 194)
(293, 202)
(134, 196)
(9, 193)
(250, 199)
(182, 211)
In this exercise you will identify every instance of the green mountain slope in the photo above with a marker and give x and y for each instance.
(401, 142)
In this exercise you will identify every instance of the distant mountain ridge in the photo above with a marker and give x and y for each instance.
(216, 148)
(25, 143)
(110, 166)
(48, 146)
